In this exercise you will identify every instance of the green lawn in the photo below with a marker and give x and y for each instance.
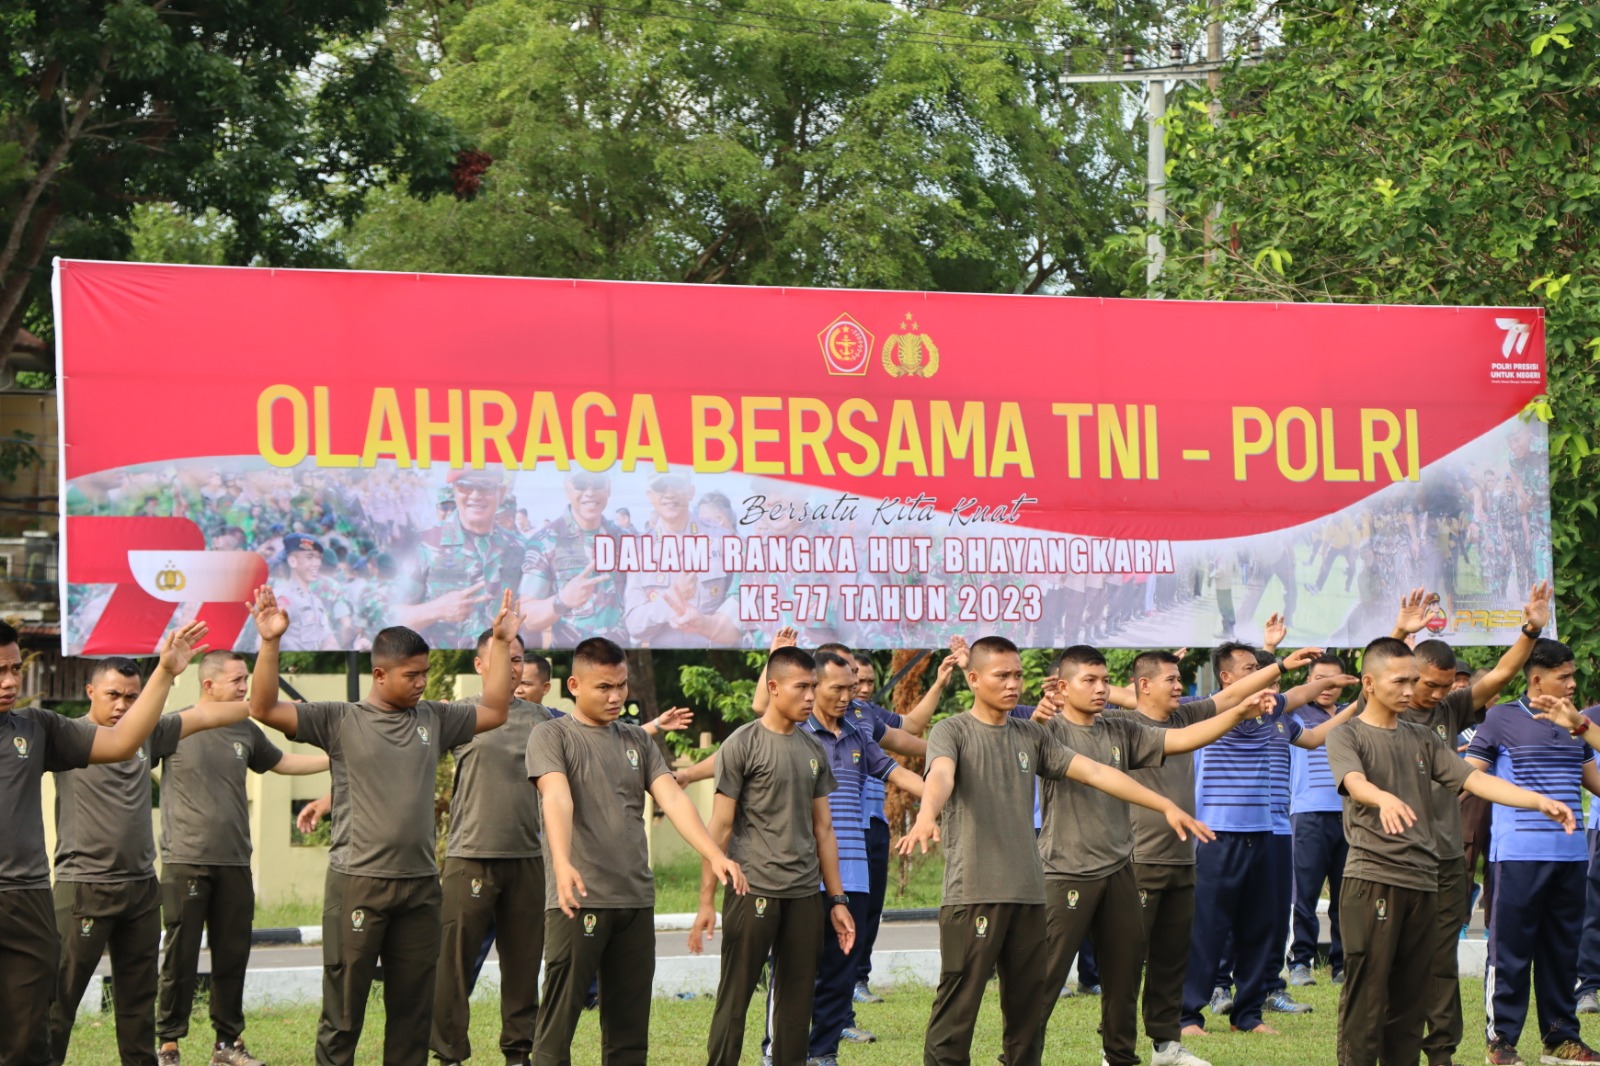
(286, 1037)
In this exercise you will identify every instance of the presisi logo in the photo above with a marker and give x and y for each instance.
(1488, 620)
(1516, 339)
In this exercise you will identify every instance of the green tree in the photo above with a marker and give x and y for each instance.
(1433, 152)
(271, 116)
(809, 142)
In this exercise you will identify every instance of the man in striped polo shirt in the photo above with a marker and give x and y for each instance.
(1316, 810)
(1234, 791)
(1539, 873)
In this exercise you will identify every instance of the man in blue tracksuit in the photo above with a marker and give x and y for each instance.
(1539, 874)
(1316, 811)
(1233, 795)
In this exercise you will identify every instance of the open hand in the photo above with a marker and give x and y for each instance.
(1557, 812)
(1536, 612)
(570, 889)
(1185, 825)
(1397, 816)
(786, 637)
(1274, 632)
(703, 929)
(1303, 657)
(844, 926)
(182, 645)
(922, 834)
(1557, 710)
(962, 652)
(507, 621)
(312, 814)
(1413, 614)
(272, 621)
(730, 874)
(674, 719)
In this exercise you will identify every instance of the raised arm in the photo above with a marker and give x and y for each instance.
(786, 637)
(1316, 738)
(936, 789)
(1495, 790)
(1301, 695)
(916, 723)
(1535, 616)
(121, 741)
(498, 683)
(686, 820)
(1234, 704)
(272, 622)
(1114, 782)
(1564, 713)
(669, 721)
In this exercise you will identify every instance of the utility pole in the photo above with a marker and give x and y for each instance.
(1154, 81)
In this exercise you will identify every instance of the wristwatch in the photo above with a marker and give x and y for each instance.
(1530, 632)
(1583, 727)
(839, 900)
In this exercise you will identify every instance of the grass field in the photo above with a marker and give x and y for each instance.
(286, 1037)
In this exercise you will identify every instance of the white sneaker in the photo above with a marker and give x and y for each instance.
(1177, 1055)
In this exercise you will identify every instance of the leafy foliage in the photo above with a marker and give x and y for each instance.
(798, 142)
(274, 116)
(1434, 152)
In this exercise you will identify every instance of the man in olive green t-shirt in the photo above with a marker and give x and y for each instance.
(206, 886)
(1087, 837)
(382, 900)
(979, 801)
(1387, 769)
(771, 815)
(593, 773)
(493, 880)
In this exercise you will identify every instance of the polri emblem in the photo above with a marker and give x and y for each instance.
(761, 906)
(982, 925)
(910, 351)
(358, 918)
(21, 744)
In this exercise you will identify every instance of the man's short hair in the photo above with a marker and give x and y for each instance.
(1264, 658)
(1147, 665)
(397, 644)
(1547, 655)
(1075, 657)
(836, 648)
(828, 658)
(214, 662)
(1327, 658)
(9, 635)
(984, 647)
(114, 664)
(1437, 654)
(538, 662)
(486, 636)
(598, 651)
(1222, 656)
(862, 657)
(1379, 653)
(792, 658)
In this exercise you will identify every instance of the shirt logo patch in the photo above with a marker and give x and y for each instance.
(194, 888)
(1280, 727)
(86, 927)
(238, 750)
(855, 757)
(761, 906)
(589, 922)
(422, 731)
(1116, 755)
(813, 769)
(358, 918)
(1072, 900)
(1144, 898)
(141, 756)
(477, 887)
(1022, 760)
(982, 925)
(1421, 768)
(1383, 910)
(1440, 729)
(21, 744)
(633, 758)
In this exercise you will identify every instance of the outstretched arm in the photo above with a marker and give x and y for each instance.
(686, 820)
(1496, 790)
(272, 622)
(1114, 782)
(940, 782)
(295, 765)
(700, 771)
(1395, 814)
(906, 781)
(1316, 738)
(903, 743)
(118, 742)
(1234, 704)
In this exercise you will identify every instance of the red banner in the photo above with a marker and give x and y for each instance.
(677, 465)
